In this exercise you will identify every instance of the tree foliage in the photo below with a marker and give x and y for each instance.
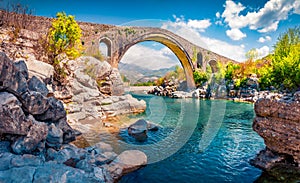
(64, 37)
(286, 60)
(200, 77)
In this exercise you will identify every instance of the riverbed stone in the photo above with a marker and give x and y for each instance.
(139, 130)
(126, 162)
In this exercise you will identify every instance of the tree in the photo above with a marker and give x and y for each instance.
(286, 60)
(252, 54)
(200, 77)
(64, 37)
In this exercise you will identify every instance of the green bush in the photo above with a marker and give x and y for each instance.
(64, 37)
(200, 77)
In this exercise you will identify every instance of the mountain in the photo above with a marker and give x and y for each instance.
(140, 74)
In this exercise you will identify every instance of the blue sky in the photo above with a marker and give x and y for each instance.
(230, 28)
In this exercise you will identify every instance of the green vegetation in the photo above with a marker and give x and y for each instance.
(64, 37)
(280, 69)
(148, 83)
(200, 77)
(129, 31)
(285, 63)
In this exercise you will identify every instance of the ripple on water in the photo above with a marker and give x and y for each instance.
(225, 160)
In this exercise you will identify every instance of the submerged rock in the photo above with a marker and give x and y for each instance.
(140, 128)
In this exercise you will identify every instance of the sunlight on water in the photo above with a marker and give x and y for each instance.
(230, 143)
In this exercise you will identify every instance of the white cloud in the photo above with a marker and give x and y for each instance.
(263, 51)
(147, 57)
(234, 52)
(218, 15)
(235, 34)
(264, 39)
(265, 19)
(297, 7)
(200, 25)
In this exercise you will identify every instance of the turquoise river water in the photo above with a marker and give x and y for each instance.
(198, 141)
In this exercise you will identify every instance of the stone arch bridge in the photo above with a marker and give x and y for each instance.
(119, 39)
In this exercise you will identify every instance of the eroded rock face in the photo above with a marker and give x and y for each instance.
(25, 112)
(277, 122)
(13, 119)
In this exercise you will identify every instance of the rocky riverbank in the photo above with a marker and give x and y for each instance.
(277, 122)
(35, 136)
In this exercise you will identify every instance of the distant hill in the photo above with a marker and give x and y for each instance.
(139, 74)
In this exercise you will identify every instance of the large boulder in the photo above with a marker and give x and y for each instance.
(13, 119)
(126, 162)
(39, 69)
(10, 76)
(277, 122)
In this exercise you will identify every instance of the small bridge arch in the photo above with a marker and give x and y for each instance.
(213, 65)
(108, 44)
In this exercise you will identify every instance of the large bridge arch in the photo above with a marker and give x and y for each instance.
(173, 45)
(120, 38)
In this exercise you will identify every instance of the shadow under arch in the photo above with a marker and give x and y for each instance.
(199, 60)
(175, 47)
(214, 65)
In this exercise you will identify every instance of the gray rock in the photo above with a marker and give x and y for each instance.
(36, 103)
(139, 130)
(69, 134)
(103, 147)
(104, 158)
(20, 175)
(51, 172)
(126, 162)
(22, 67)
(10, 76)
(34, 84)
(5, 159)
(29, 143)
(85, 165)
(26, 160)
(152, 126)
(13, 119)
(127, 106)
(55, 111)
(40, 69)
(54, 137)
(297, 96)
(117, 83)
(4, 146)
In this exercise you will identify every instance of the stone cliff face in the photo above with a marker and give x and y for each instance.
(278, 123)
